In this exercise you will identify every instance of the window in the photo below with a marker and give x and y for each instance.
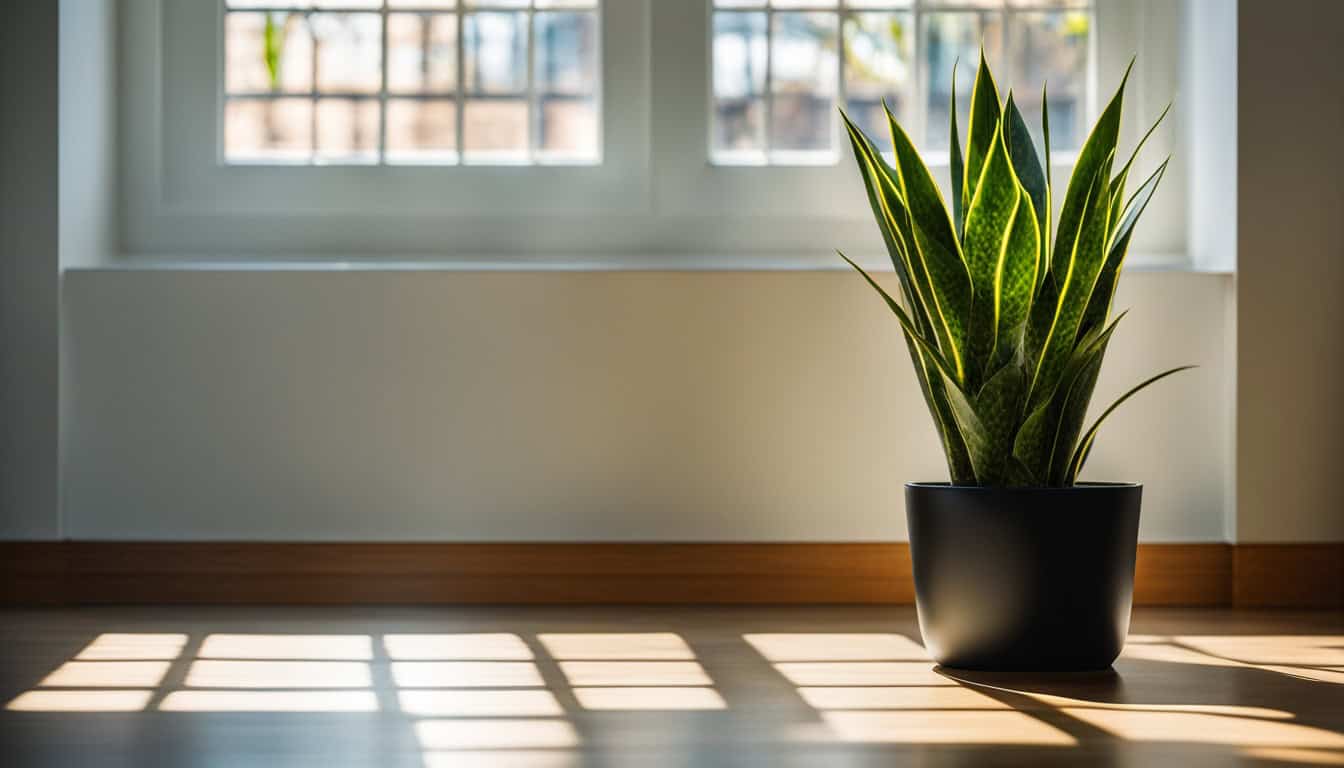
(418, 82)
(610, 139)
(781, 67)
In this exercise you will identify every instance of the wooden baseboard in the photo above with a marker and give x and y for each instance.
(1288, 575)
(1297, 575)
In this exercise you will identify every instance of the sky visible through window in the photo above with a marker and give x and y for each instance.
(781, 67)
(418, 82)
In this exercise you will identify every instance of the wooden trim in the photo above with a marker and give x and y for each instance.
(1288, 575)
(1211, 574)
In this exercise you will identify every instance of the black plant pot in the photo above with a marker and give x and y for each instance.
(1023, 578)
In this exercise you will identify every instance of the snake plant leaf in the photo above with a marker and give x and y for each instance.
(925, 345)
(884, 198)
(1077, 279)
(989, 222)
(982, 129)
(936, 260)
(1026, 163)
(1016, 474)
(1085, 445)
(998, 406)
(273, 43)
(1098, 150)
(1118, 183)
(1099, 306)
(1035, 442)
(1015, 284)
(1074, 402)
(1047, 242)
(957, 169)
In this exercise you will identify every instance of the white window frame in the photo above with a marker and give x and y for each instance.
(656, 200)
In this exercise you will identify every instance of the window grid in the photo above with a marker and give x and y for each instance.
(845, 10)
(460, 11)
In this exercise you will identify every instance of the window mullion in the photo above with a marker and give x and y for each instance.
(460, 94)
(382, 88)
(769, 118)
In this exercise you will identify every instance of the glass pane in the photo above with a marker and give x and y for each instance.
(1051, 47)
(951, 37)
(495, 52)
(421, 131)
(249, 67)
(802, 3)
(988, 4)
(497, 3)
(804, 75)
(421, 53)
(740, 57)
(568, 128)
(566, 3)
(349, 52)
(273, 130)
(345, 4)
(566, 52)
(495, 129)
(267, 3)
(879, 3)
(879, 65)
(421, 3)
(347, 130)
(739, 3)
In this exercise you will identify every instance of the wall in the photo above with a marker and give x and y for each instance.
(1290, 412)
(447, 405)
(28, 271)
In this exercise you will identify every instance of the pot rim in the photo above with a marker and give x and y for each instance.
(1076, 488)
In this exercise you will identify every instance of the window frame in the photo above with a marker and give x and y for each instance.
(656, 201)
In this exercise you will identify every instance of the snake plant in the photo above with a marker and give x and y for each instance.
(1007, 315)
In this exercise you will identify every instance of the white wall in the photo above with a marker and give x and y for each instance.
(1290, 410)
(28, 271)
(561, 406)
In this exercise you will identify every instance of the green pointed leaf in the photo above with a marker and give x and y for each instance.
(957, 169)
(1015, 284)
(1026, 164)
(1035, 442)
(936, 261)
(1103, 293)
(926, 346)
(989, 222)
(884, 198)
(1118, 183)
(999, 407)
(982, 128)
(1085, 446)
(1076, 279)
(1096, 151)
(1047, 241)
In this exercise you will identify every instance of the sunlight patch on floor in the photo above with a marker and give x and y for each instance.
(459, 647)
(649, 699)
(836, 647)
(278, 674)
(480, 703)
(270, 701)
(644, 646)
(117, 646)
(107, 674)
(298, 647)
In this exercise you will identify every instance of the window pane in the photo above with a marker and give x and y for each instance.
(879, 65)
(566, 52)
(740, 57)
(495, 130)
(568, 128)
(496, 52)
(347, 130)
(349, 52)
(804, 71)
(421, 3)
(250, 67)
(271, 130)
(421, 53)
(1051, 47)
(421, 131)
(951, 37)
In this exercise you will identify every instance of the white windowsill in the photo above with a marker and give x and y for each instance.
(733, 262)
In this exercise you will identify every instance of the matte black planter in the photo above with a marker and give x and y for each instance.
(1023, 578)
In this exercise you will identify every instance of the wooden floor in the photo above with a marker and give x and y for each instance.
(560, 687)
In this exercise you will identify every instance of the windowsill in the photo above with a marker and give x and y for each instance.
(732, 262)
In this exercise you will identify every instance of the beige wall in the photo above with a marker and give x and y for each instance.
(1290, 282)
(674, 406)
